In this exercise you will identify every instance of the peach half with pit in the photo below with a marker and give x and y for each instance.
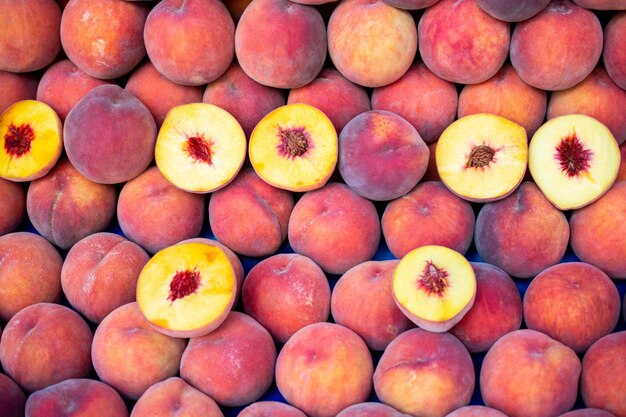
(295, 147)
(574, 159)
(31, 140)
(434, 286)
(482, 157)
(187, 290)
(200, 147)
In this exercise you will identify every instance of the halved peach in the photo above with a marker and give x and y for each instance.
(295, 147)
(482, 157)
(574, 160)
(187, 290)
(200, 147)
(434, 286)
(31, 136)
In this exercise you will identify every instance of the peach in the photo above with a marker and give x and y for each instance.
(38, 333)
(422, 98)
(411, 4)
(601, 4)
(621, 174)
(288, 58)
(430, 381)
(65, 206)
(100, 274)
(557, 48)
(270, 409)
(155, 214)
(13, 399)
(234, 364)
(379, 320)
(12, 205)
(30, 272)
(109, 135)
(16, 87)
(158, 93)
(506, 95)
(370, 409)
(614, 53)
(340, 99)
(523, 233)
(369, 51)
(174, 396)
(190, 42)
(497, 309)
(29, 37)
(513, 11)
(588, 412)
(76, 398)
(599, 234)
(313, 230)
(429, 214)
(381, 155)
(476, 411)
(545, 370)
(603, 377)
(318, 359)
(104, 38)
(244, 98)
(129, 355)
(285, 293)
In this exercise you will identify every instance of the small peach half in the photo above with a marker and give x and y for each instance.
(482, 157)
(574, 160)
(31, 140)
(295, 147)
(187, 290)
(200, 147)
(434, 286)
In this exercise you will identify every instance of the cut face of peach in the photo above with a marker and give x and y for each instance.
(295, 148)
(31, 140)
(573, 159)
(200, 147)
(187, 290)
(482, 157)
(434, 287)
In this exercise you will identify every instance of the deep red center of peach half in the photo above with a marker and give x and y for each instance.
(480, 156)
(294, 141)
(183, 284)
(572, 155)
(433, 279)
(200, 149)
(17, 140)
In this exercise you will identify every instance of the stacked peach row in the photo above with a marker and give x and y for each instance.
(297, 190)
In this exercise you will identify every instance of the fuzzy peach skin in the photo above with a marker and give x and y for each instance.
(12, 205)
(104, 38)
(270, 409)
(621, 174)
(65, 207)
(461, 43)
(497, 309)
(429, 214)
(76, 398)
(29, 38)
(316, 361)
(289, 54)
(16, 87)
(523, 233)
(603, 380)
(30, 272)
(234, 364)
(155, 214)
(266, 211)
(430, 381)
(588, 412)
(411, 4)
(285, 293)
(599, 232)
(596, 96)
(13, 399)
(109, 135)
(247, 100)
(379, 320)
(100, 274)
(614, 53)
(506, 95)
(175, 397)
(158, 93)
(557, 48)
(513, 10)
(44, 344)
(130, 355)
(476, 411)
(543, 381)
(313, 228)
(236, 7)
(370, 42)
(426, 101)
(601, 4)
(370, 409)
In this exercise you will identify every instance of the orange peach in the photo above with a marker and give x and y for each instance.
(13, 399)
(12, 205)
(370, 409)
(270, 409)
(513, 11)
(614, 53)
(476, 411)
(16, 87)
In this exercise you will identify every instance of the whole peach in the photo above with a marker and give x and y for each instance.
(16, 87)
(614, 53)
